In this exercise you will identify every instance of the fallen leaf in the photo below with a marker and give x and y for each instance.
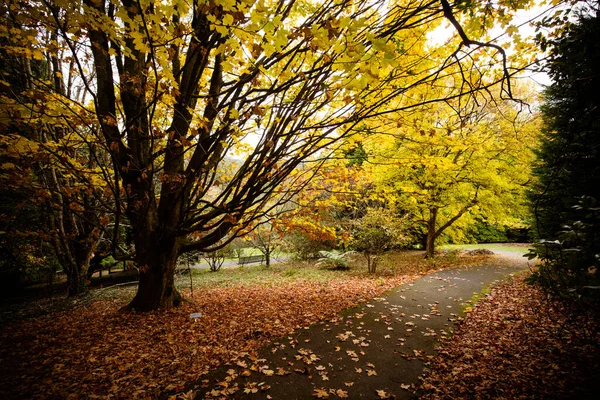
(383, 394)
(320, 393)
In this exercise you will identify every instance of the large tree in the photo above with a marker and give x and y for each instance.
(565, 198)
(49, 158)
(568, 160)
(444, 168)
(180, 88)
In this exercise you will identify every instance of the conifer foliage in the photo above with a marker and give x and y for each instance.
(566, 197)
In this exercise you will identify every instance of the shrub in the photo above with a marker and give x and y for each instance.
(335, 259)
(215, 259)
(569, 265)
(377, 231)
(305, 247)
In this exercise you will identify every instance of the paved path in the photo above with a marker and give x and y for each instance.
(235, 264)
(379, 345)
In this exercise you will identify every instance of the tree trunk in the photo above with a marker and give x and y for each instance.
(431, 234)
(370, 262)
(77, 276)
(156, 260)
(268, 257)
(76, 281)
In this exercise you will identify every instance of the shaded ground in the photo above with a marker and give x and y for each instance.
(376, 350)
(517, 345)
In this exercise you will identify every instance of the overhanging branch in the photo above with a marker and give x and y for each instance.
(466, 41)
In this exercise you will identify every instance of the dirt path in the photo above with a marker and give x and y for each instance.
(380, 346)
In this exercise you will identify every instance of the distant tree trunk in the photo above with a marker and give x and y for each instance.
(76, 266)
(74, 242)
(371, 262)
(432, 234)
(76, 282)
(268, 256)
(189, 265)
(95, 265)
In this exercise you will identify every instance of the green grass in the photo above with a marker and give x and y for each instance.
(474, 299)
(389, 264)
(516, 248)
(258, 274)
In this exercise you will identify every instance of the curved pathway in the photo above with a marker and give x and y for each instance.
(381, 345)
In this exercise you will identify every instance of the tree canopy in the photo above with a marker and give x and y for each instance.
(195, 117)
(444, 168)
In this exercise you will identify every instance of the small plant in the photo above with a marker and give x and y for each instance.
(216, 258)
(335, 259)
(377, 231)
(306, 247)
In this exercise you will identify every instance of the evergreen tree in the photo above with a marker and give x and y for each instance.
(568, 169)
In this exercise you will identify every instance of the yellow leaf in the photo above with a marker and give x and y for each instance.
(38, 55)
(228, 19)
(320, 393)
(382, 394)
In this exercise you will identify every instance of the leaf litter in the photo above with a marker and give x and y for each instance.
(517, 344)
(99, 351)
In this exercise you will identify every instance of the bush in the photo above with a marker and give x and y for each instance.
(335, 259)
(566, 192)
(483, 232)
(305, 247)
(569, 267)
(215, 259)
(377, 231)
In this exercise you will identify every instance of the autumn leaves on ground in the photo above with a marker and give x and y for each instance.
(517, 345)
(98, 350)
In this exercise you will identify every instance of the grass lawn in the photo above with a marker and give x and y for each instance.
(390, 264)
(250, 251)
